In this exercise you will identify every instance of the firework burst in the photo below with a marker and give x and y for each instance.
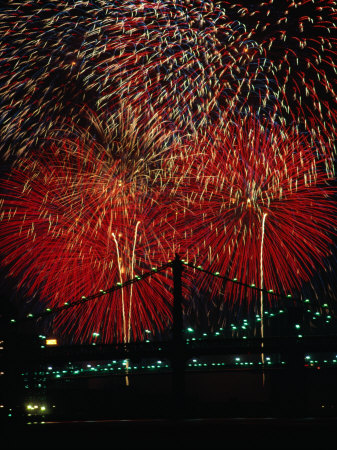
(299, 42)
(183, 62)
(76, 222)
(186, 59)
(39, 85)
(255, 206)
(106, 96)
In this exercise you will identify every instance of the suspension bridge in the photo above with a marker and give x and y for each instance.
(178, 349)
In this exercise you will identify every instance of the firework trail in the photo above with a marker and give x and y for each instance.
(184, 58)
(184, 62)
(75, 222)
(255, 206)
(299, 42)
(39, 85)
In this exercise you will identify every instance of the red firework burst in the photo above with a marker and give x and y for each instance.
(255, 206)
(74, 223)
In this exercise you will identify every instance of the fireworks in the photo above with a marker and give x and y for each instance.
(298, 40)
(38, 84)
(185, 62)
(139, 129)
(75, 223)
(184, 58)
(255, 205)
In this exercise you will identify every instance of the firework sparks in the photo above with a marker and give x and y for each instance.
(119, 88)
(183, 61)
(252, 187)
(187, 62)
(74, 223)
(299, 42)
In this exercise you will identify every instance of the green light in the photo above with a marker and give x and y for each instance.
(306, 300)
(190, 330)
(289, 295)
(13, 320)
(84, 297)
(217, 273)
